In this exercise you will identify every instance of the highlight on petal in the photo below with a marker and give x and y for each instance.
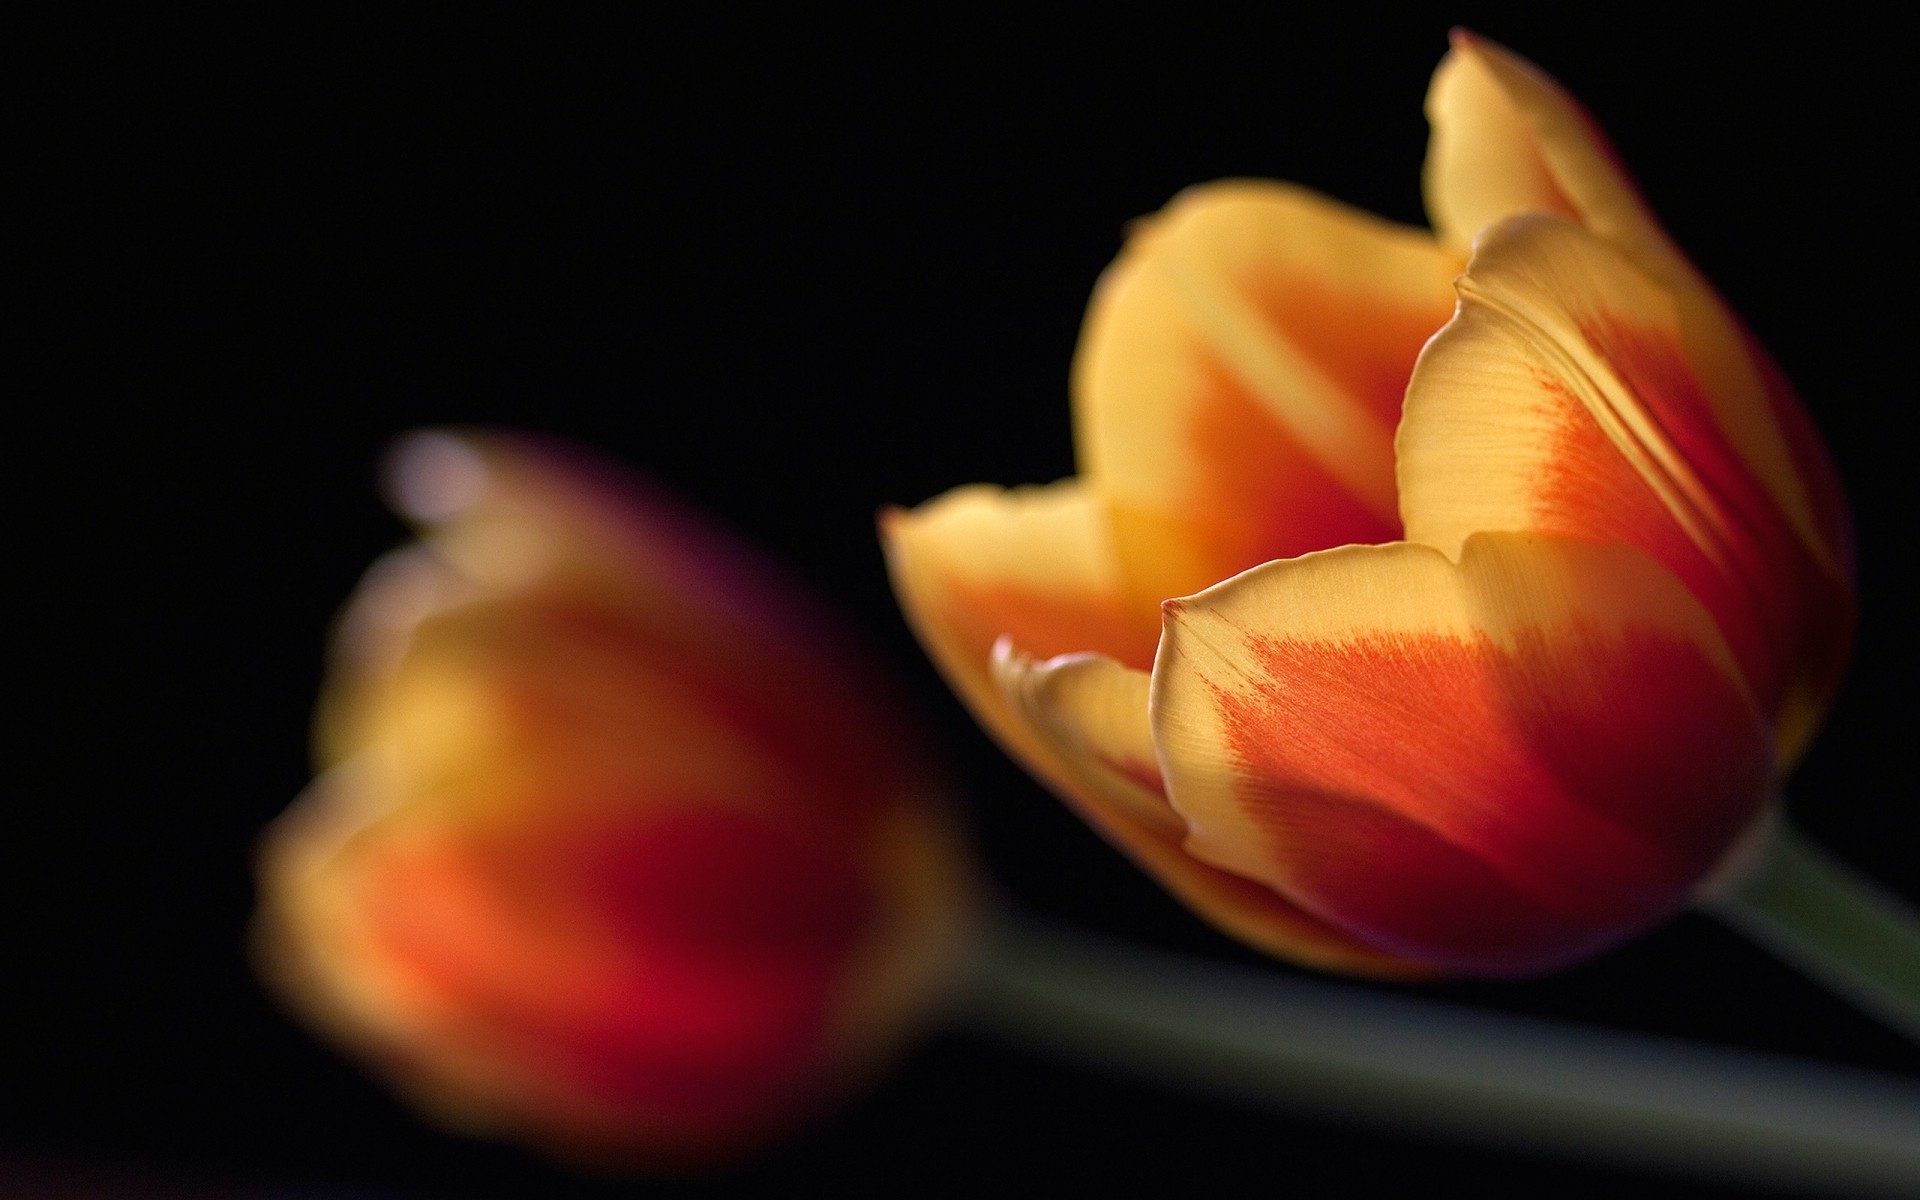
(1090, 714)
(619, 846)
(1490, 767)
(1239, 377)
(1561, 399)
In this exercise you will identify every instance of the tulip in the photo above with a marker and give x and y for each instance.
(616, 848)
(1443, 602)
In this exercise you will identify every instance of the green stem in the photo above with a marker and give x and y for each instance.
(1357, 1052)
(1840, 928)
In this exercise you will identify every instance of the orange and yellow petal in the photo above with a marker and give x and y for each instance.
(1035, 565)
(555, 607)
(1507, 140)
(620, 847)
(1090, 713)
(1495, 766)
(1240, 375)
(609, 977)
(1561, 399)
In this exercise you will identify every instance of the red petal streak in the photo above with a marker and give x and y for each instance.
(1360, 340)
(1493, 810)
(1690, 502)
(1263, 496)
(1570, 396)
(678, 967)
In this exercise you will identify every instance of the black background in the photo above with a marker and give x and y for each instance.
(795, 266)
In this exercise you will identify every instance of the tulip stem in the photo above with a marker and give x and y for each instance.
(1838, 926)
(1311, 1045)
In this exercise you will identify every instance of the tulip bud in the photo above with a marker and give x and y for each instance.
(1428, 602)
(615, 847)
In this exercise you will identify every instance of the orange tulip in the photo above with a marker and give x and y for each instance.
(616, 848)
(1502, 600)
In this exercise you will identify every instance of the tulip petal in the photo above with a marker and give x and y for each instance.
(1032, 564)
(1507, 139)
(982, 570)
(590, 599)
(1489, 767)
(595, 975)
(1090, 714)
(504, 692)
(1239, 377)
(1561, 398)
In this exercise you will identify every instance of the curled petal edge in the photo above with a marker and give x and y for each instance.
(1091, 714)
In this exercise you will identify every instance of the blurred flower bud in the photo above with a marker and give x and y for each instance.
(617, 848)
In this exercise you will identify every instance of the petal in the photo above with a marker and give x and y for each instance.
(1507, 139)
(599, 975)
(524, 689)
(1090, 714)
(1033, 564)
(1492, 767)
(982, 570)
(1239, 377)
(559, 611)
(1562, 399)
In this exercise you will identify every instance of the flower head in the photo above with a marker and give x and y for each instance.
(616, 846)
(1441, 601)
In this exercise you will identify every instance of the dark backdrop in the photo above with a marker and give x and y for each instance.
(797, 267)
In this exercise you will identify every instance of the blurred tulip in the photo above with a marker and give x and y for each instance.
(617, 848)
(1509, 595)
